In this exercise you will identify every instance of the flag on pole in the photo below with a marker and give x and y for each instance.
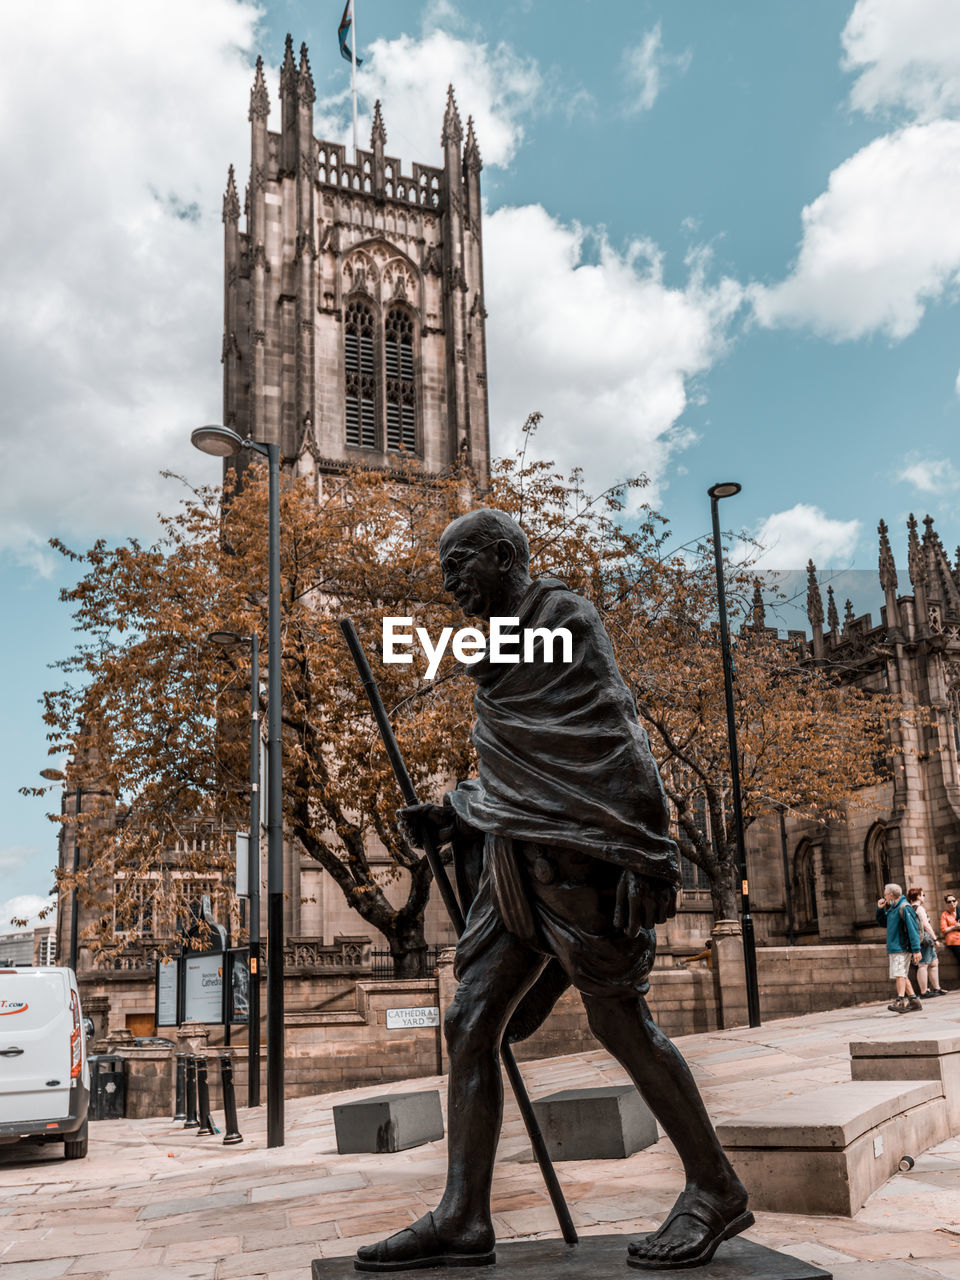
(343, 31)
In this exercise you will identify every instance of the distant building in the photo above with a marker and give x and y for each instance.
(16, 948)
(28, 947)
(44, 945)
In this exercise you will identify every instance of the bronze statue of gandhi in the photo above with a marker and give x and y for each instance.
(578, 868)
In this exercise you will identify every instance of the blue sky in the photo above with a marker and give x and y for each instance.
(722, 240)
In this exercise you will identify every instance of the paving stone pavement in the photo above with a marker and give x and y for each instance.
(152, 1199)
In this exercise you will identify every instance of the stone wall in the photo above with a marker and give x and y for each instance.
(792, 980)
(796, 980)
(326, 1049)
(341, 1049)
(348, 1043)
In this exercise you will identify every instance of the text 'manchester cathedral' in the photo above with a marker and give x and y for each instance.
(354, 317)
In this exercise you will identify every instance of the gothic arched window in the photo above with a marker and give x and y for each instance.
(805, 884)
(361, 377)
(401, 386)
(876, 859)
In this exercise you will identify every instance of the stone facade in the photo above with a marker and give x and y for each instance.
(905, 830)
(354, 316)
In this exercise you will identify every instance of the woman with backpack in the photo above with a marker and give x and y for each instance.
(928, 970)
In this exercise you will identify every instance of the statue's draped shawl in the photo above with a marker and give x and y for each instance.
(562, 757)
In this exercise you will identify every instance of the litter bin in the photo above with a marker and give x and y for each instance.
(108, 1095)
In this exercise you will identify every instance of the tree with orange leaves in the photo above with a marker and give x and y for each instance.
(169, 711)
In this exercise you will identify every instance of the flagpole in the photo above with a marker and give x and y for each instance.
(353, 74)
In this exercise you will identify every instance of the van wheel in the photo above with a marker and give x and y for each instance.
(76, 1148)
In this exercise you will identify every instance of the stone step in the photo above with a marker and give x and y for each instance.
(827, 1151)
(934, 1055)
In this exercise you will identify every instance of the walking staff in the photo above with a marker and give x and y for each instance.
(407, 790)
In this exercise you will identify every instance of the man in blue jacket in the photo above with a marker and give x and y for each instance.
(903, 944)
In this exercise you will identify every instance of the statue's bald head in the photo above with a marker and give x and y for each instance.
(484, 557)
(484, 527)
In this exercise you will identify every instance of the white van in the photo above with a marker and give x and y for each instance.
(44, 1074)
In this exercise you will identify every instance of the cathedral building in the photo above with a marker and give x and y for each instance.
(354, 332)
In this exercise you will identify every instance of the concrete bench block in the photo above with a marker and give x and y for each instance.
(826, 1152)
(595, 1124)
(395, 1122)
(935, 1055)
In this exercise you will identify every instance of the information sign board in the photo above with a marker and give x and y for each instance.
(203, 987)
(238, 992)
(168, 990)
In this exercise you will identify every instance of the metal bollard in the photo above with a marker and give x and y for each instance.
(203, 1100)
(233, 1134)
(180, 1106)
(193, 1120)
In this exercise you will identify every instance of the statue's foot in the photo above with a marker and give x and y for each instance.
(693, 1231)
(423, 1245)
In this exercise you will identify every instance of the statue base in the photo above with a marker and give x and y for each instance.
(606, 1255)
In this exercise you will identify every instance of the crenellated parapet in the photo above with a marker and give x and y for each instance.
(421, 188)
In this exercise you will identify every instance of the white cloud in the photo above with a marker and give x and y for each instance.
(880, 244)
(410, 76)
(120, 122)
(907, 56)
(883, 241)
(790, 538)
(110, 334)
(647, 68)
(604, 350)
(25, 906)
(931, 475)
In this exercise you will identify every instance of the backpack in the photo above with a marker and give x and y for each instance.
(904, 931)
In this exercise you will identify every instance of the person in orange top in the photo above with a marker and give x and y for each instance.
(949, 927)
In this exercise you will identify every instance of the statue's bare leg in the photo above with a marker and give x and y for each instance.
(713, 1204)
(461, 1225)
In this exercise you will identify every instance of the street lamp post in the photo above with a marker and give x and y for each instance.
(787, 892)
(716, 492)
(55, 775)
(228, 639)
(223, 442)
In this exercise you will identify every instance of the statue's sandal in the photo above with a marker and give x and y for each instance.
(414, 1248)
(717, 1229)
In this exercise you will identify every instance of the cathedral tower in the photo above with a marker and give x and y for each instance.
(354, 317)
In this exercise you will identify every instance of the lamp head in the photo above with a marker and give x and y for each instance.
(219, 442)
(227, 638)
(726, 490)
